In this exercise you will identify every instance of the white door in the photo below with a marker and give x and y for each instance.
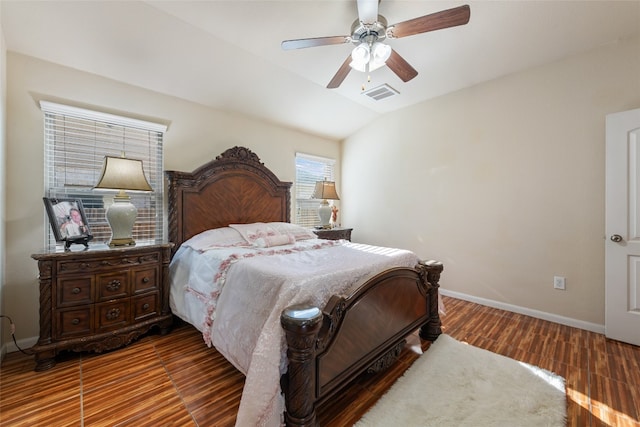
(622, 245)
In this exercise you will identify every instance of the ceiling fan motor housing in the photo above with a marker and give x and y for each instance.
(369, 33)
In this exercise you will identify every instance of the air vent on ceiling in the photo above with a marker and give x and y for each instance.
(381, 92)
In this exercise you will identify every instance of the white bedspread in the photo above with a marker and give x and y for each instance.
(235, 297)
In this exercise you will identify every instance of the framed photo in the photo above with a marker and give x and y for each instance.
(68, 221)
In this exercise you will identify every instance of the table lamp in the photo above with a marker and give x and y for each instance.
(122, 174)
(325, 190)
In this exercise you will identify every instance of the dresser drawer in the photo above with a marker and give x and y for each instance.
(145, 280)
(112, 285)
(74, 322)
(112, 315)
(145, 306)
(100, 298)
(75, 290)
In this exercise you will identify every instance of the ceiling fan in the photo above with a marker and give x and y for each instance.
(370, 29)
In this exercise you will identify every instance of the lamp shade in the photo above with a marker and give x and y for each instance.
(325, 190)
(120, 173)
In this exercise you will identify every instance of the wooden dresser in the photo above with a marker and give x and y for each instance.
(334, 233)
(100, 298)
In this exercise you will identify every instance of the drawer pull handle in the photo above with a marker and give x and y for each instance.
(145, 307)
(75, 322)
(113, 285)
(75, 291)
(145, 279)
(113, 314)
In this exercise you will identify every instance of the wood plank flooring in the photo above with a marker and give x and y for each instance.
(175, 380)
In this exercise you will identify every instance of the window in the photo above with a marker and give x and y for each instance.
(310, 169)
(76, 142)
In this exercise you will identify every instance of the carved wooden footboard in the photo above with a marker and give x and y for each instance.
(364, 331)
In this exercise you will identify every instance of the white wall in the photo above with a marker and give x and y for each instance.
(196, 134)
(503, 182)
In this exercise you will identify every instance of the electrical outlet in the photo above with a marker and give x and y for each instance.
(559, 282)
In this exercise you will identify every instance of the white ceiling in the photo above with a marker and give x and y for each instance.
(227, 55)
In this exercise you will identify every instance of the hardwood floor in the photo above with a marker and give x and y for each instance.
(175, 380)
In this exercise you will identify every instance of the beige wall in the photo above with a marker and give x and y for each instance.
(503, 182)
(3, 127)
(195, 134)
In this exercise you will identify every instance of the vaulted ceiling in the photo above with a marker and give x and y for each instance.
(227, 54)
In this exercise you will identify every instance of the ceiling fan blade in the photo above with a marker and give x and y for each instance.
(314, 42)
(368, 11)
(341, 74)
(435, 21)
(402, 68)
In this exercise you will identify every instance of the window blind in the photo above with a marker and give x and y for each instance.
(76, 142)
(310, 169)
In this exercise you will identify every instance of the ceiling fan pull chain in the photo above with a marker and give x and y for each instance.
(368, 81)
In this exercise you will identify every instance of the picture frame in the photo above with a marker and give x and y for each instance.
(68, 221)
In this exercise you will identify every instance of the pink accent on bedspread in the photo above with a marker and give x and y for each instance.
(239, 312)
(259, 288)
(220, 278)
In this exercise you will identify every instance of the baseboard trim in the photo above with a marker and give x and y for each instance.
(580, 324)
(24, 344)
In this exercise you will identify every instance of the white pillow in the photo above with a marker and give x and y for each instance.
(255, 231)
(216, 237)
(277, 240)
(300, 233)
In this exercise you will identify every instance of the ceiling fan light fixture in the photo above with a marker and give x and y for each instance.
(358, 66)
(360, 56)
(373, 65)
(380, 52)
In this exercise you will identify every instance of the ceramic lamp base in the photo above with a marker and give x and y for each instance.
(121, 216)
(324, 213)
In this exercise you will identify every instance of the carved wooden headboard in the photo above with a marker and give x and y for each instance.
(235, 188)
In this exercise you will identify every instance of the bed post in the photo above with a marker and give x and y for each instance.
(431, 330)
(301, 325)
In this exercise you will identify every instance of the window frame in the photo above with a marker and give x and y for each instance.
(76, 140)
(316, 168)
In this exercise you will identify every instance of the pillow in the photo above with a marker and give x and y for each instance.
(225, 236)
(300, 233)
(257, 230)
(277, 240)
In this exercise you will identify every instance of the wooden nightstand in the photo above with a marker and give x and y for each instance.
(334, 233)
(100, 298)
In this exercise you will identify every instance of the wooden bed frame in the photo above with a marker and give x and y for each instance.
(328, 347)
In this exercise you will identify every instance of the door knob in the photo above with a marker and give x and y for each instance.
(616, 238)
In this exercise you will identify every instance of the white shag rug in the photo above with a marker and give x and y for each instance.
(455, 384)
